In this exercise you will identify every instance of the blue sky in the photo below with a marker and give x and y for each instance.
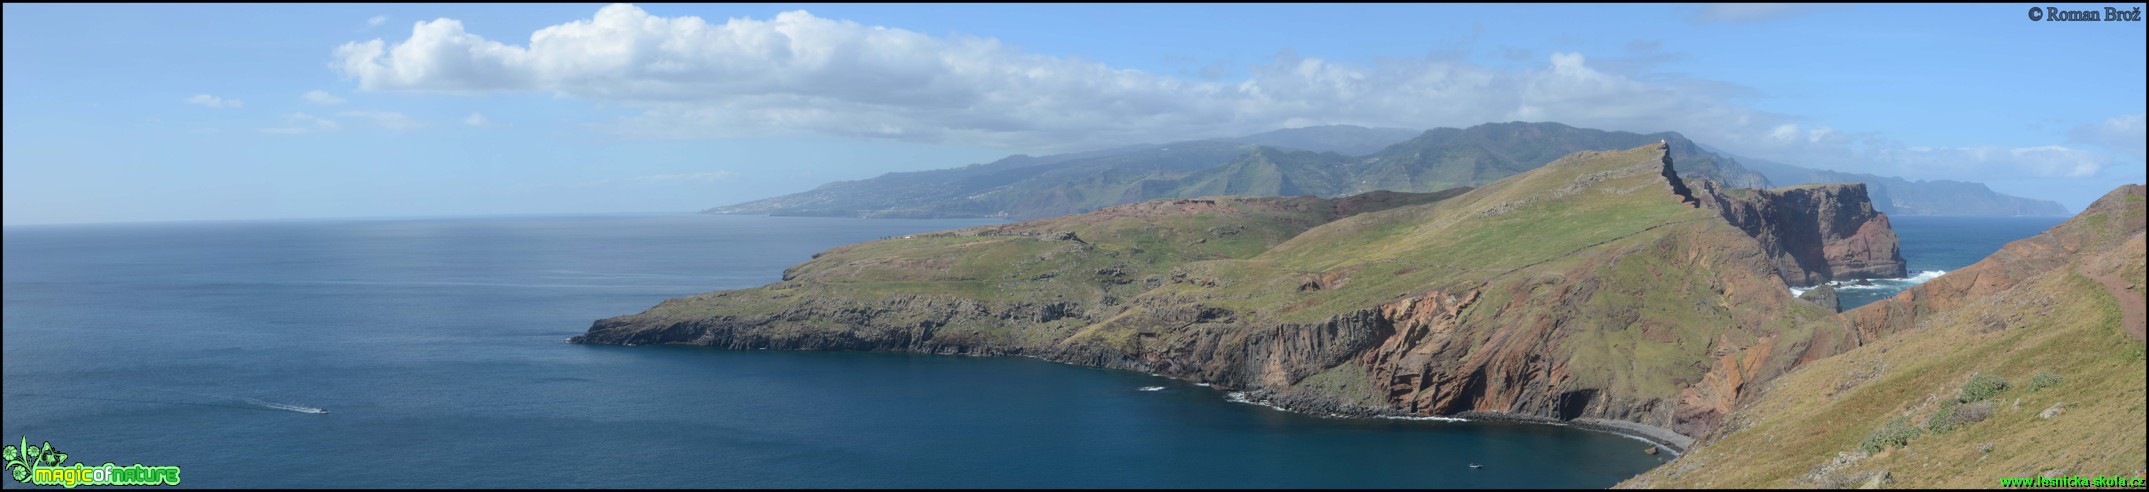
(212, 112)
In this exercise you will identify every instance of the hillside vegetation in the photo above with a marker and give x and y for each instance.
(2029, 363)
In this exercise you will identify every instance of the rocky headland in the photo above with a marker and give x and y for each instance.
(1601, 289)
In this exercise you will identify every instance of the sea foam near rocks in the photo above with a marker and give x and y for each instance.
(1879, 283)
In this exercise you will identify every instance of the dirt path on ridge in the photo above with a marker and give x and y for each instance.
(2130, 305)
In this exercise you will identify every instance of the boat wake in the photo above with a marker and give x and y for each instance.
(254, 402)
(1152, 388)
(284, 406)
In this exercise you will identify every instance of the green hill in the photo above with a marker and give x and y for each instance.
(1481, 154)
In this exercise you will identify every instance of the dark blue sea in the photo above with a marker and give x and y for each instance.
(436, 347)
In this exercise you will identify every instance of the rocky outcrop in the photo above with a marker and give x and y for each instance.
(1824, 296)
(1816, 233)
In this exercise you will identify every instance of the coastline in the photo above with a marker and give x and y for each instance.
(1664, 439)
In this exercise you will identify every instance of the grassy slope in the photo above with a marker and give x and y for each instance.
(1639, 251)
(1453, 243)
(1805, 429)
(2069, 327)
(1481, 154)
(1123, 251)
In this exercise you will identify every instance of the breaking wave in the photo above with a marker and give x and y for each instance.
(1893, 283)
(1240, 397)
(1890, 284)
(1424, 417)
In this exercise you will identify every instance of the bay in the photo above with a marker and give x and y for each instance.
(436, 347)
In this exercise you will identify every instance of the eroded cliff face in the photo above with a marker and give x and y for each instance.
(1815, 233)
(1598, 286)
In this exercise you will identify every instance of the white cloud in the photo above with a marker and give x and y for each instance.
(321, 97)
(1791, 133)
(301, 123)
(2047, 161)
(681, 178)
(477, 120)
(213, 101)
(386, 119)
(687, 177)
(797, 73)
(374, 22)
(2125, 134)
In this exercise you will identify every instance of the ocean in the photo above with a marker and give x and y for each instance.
(435, 347)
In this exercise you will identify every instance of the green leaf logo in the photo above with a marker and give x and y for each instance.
(23, 459)
(18, 463)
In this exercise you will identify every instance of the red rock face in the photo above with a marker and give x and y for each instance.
(1702, 407)
(1870, 251)
(1406, 364)
(1815, 234)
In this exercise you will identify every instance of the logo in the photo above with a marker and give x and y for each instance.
(42, 465)
(2109, 14)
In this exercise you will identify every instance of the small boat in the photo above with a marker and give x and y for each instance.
(1476, 466)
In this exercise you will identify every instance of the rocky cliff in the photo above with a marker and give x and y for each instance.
(1594, 287)
(1815, 233)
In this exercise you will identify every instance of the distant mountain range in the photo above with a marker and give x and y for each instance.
(1898, 196)
(1326, 161)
